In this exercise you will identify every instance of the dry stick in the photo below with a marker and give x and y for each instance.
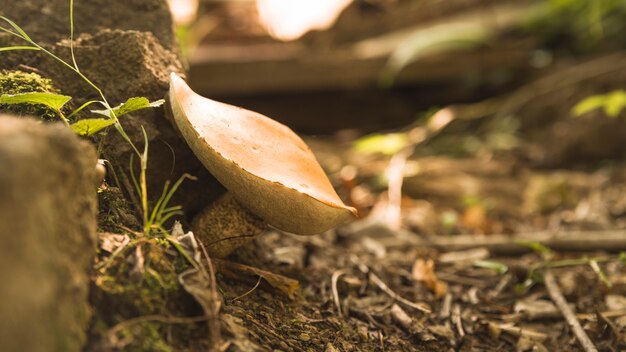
(422, 307)
(587, 241)
(213, 318)
(383, 286)
(568, 313)
(519, 332)
(607, 314)
(258, 282)
(457, 320)
(335, 291)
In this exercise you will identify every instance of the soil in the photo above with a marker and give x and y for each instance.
(364, 286)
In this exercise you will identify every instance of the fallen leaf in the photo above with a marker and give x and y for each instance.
(110, 242)
(424, 271)
(282, 283)
(475, 218)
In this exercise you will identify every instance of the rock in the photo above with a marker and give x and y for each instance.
(47, 235)
(124, 64)
(47, 21)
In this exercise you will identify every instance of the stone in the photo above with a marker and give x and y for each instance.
(47, 235)
(130, 54)
(47, 21)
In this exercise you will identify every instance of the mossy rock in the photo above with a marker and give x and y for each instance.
(15, 82)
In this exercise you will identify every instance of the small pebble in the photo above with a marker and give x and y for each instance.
(305, 337)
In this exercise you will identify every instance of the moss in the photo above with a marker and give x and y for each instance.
(120, 295)
(115, 210)
(14, 82)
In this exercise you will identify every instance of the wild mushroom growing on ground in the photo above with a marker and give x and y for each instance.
(271, 174)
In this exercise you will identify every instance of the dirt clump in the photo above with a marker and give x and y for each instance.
(48, 21)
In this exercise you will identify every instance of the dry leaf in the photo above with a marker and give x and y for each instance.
(424, 271)
(475, 218)
(282, 283)
(110, 242)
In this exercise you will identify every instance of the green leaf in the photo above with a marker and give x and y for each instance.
(601, 275)
(535, 246)
(9, 48)
(131, 105)
(615, 103)
(88, 127)
(387, 144)
(51, 100)
(612, 103)
(588, 104)
(17, 28)
(493, 265)
(82, 107)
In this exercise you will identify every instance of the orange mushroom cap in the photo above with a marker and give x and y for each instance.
(267, 167)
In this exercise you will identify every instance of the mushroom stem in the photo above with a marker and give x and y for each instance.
(225, 225)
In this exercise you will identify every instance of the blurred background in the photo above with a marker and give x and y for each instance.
(487, 116)
(325, 65)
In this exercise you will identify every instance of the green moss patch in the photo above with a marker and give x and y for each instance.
(14, 82)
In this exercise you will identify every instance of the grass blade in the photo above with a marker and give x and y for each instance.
(72, 35)
(9, 48)
(17, 28)
(82, 107)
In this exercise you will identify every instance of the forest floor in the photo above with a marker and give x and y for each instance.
(460, 260)
(478, 261)
(492, 226)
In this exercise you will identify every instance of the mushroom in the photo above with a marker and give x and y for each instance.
(270, 173)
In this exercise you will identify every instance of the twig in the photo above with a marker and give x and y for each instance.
(519, 332)
(608, 314)
(395, 175)
(446, 306)
(614, 329)
(504, 281)
(457, 320)
(585, 241)
(456, 279)
(213, 312)
(383, 286)
(258, 282)
(400, 317)
(335, 291)
(568, 313)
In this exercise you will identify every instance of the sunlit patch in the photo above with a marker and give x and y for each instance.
(183, 11)
(289, 19)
